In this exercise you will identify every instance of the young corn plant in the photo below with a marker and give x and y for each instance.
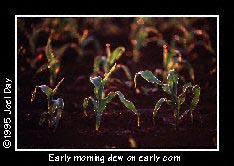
(142, 34)
(170, 87)
(172, 59)
(101, 100)
(107, 62)
(83, 39)
(53, 64)
(55, 106)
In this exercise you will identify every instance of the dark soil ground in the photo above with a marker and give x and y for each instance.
(117, 129)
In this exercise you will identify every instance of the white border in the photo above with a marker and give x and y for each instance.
(217, 149)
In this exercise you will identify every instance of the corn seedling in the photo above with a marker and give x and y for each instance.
(170, 87)
(68, 27)
(107, 62)
(53, 63)
(83, 39)
(173, 59)
(101, 100)
(55, 106)
(141, 35)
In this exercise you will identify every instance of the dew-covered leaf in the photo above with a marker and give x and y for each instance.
(195, 100)
(172, 78)
(109, 97)
(98, 61)
(166, 88)
(148, 76)
(98, 86)
(57, 86)
(45, 89)
(58, 105)
(108, 75)
(42, 68)
(116, 54)
(157, 106)
(86, 102)
(96, 81)
(182, 96)
(128, 104)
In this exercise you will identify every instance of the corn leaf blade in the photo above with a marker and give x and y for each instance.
(116, 54)
(57, 105)
(182, 96)
(148, 76)
(128, 104)
(108, 75)
(157, 106)
(196, 91)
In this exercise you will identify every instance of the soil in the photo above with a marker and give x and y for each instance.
(117, 129)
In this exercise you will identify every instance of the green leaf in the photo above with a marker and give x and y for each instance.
(53, 62)
(98, 86)
(140, 38)
(98, 120)
(96, 64)
(172, 81)
(103, 102)
(109, 97)
(108, 75)
(98, 61)
(148, 76)
(126, 71)
(42, 68)
(166, 88)
(196, 91)
(157, 106)
(128, 104)
(57, 86)
(45, 89)
(116, 54)
(59, 105)
(186, 86)
(86, 102)
(49, 51)
(172, 78)
(181, 97)
(96, 81)
(168, 61)
(189, 67)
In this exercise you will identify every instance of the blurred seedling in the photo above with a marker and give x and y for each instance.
(60, 30)
(173, 59)
(83, 39)
(67, 29)
(101, 100)
(103, 64)
(170, 87)
(53, 63)
(185, 36)
(141, 35)
(55, 106)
